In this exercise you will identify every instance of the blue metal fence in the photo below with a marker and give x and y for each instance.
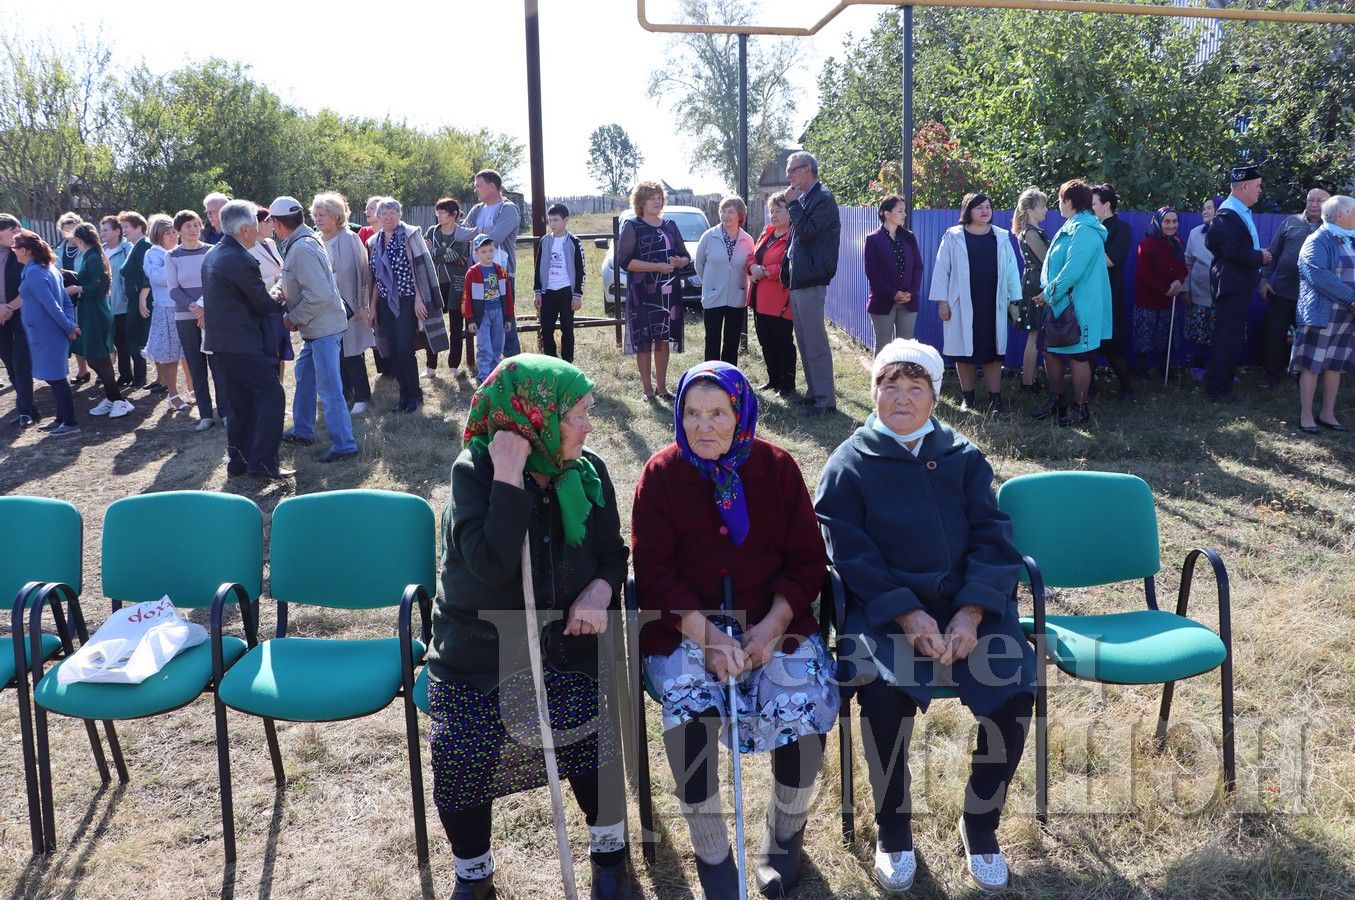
(846, 305)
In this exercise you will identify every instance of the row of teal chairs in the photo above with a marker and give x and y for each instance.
(1075, 530)
(281, 678)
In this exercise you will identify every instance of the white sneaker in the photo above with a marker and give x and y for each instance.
(989, 870)
(359, 408)
(430, 374)
(104, 408)
(204, 424)
(120, 409)
(895, 871)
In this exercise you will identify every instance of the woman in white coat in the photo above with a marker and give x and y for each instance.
(974, 279)
(721, 261)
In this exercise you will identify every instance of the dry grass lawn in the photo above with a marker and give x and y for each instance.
(1127, 822)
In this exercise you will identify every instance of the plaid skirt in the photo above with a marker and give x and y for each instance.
(1329, 349)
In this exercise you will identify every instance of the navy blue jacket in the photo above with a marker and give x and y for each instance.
(814, 234)
(1237, 262)
(924, 532)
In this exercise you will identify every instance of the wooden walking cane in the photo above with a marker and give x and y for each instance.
(543, 717)
(740, 857)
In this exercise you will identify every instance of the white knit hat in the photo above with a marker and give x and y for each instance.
(907, 350)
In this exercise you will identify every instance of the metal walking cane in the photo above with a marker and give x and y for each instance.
(543, 717)
(727, 607)
(1171, 327)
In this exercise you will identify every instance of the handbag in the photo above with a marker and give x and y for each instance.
(1063, 330)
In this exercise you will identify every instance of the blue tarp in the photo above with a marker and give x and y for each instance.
(846, 306)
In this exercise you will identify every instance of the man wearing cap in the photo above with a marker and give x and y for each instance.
(316, 309)
(1233, 276)
(236, 307)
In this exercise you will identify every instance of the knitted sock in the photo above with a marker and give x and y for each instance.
(789, 809)
(475, 869)
(706, 822)
(607, 844)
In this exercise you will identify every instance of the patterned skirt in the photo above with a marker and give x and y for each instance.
(793, 695)
(162, 344)
(653, 317)
(486, 746)
(1200, 325)
(1329, 349)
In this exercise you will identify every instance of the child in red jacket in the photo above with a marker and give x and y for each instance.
(487, 304)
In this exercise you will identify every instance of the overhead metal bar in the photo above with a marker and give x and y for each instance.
(1076, 6)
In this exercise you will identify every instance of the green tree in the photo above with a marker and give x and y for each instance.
(613, 159)
(699, 81)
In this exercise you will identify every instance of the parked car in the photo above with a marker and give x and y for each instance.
(691, 223)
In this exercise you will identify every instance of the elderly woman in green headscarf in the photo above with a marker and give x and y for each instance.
(524, 473)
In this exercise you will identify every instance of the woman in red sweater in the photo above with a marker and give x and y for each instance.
(720, 502)
(1158, 282)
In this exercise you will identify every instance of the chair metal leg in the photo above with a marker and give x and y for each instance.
(643, 788)
(30, 765)
(223, 765)
(1042, 745)
(115, 748)
(1163, 715)
(45, 778)
(416, 783)
(97, 750)
(270, 733)
(1229, 750)
(844, 739)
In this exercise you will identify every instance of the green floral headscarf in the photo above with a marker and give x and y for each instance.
(528, 394)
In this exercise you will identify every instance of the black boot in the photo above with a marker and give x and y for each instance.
(995, 404)
(1075, 416)
(478, 889)
(611, 882)
(719, 881)
(1052, 406)
(778, 867)
(968, 403)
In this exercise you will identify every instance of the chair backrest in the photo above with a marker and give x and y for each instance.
(1084, 528)
(43, 541)
(351, 549)
(184, 544)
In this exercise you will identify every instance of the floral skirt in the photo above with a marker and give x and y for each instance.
(162, 344)
(1200, 324)
(486, 746)
(791, 696)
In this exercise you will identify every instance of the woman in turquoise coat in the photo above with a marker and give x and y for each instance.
(1075, 273)
(95, 318)
(49, 325)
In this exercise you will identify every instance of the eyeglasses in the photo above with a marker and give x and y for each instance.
(790, 169)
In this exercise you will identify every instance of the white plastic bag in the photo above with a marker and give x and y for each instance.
(132, 645)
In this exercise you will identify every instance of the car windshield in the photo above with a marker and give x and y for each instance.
(690, 225)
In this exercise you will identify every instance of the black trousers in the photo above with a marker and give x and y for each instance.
(723, 326)
(353, 374)
(18, 363)
(254, 431)
(888, 716)
(693, 756)
(1230, 325)
(199, 366)
(777, 337)
(1280, 317)
(558, 305)
(456, 332)
(601, 794)
(400, 331)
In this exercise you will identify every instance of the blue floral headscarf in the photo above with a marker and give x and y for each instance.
(724, 472)
(1155, 231)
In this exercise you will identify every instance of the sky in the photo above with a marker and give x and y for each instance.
(595, 60)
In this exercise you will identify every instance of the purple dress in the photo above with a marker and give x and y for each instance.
(653, 300)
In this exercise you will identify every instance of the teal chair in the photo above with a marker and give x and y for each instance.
(48, 550)
(223, 561)
(1086, 529)
(297, 679)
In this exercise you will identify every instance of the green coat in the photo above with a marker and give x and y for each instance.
(92, 312)
(1075, 272)
(478, 621)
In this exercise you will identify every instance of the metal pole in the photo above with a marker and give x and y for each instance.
(743, 117)
(906, 159)
(535, 142)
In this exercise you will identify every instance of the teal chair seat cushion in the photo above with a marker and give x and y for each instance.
(316, 679)
(421, 689)
(1145, 646)
(181, 680)
(50, 645)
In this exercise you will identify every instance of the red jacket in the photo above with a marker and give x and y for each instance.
(770, 296)
(474, 275)
(681, 549)
(1158, 267)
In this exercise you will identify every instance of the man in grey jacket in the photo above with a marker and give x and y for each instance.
(1282, 297)
(315, 308)
(811, 265)
(499, 218)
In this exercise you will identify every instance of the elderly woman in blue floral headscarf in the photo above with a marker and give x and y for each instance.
(524, 473)
(720, 503)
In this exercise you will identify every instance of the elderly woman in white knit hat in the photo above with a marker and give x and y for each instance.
(931, 581)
